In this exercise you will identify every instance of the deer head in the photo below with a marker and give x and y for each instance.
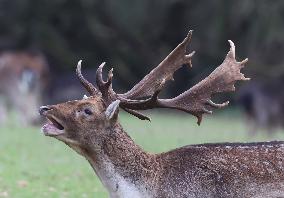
(81, 121)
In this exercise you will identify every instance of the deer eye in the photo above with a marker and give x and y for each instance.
(88, 112)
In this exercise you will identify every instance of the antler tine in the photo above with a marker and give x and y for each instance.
(104, 86)
(99, 75)
(137, 114)
(232, 52)
(185, 43)
(89, 86)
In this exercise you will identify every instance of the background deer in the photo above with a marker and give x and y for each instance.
(23, 76)
(90, 126)
(263, 105)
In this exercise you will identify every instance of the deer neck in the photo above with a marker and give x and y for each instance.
(122, 166)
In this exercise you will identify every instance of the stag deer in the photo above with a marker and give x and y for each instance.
(23, 76)
(263, 105)
(90, 126)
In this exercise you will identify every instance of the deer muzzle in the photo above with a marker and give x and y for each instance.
(53, 127)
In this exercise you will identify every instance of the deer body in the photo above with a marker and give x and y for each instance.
(206, 170)
(90, 126)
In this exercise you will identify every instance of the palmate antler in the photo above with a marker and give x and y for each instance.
(195, 101)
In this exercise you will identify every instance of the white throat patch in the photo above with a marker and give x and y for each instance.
(117, 186)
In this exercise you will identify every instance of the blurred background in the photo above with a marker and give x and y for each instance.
(41, 42)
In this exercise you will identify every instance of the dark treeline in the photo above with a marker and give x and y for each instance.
(133, 35)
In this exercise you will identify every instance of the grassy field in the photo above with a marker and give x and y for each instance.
(32, 165)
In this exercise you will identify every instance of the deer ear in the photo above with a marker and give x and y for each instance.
(112, 110)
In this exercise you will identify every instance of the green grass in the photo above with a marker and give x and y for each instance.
(32, 165)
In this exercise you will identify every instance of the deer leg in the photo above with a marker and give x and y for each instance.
(252, 126)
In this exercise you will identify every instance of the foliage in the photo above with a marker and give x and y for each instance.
(132, 36)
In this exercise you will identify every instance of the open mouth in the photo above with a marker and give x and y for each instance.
(53, 127)
(55, 123)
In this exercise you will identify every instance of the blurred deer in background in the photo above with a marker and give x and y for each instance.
(90, 126)
(23, 77)
(263, 105)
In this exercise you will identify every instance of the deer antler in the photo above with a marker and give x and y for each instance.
(89, 86)
(163, 72)
(195, 101)
(150, 83)
(104, 86)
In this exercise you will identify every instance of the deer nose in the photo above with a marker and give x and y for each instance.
(43, 109)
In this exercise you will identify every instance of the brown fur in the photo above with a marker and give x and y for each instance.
(208, 170)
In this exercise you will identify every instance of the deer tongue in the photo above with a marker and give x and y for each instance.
(52, 128)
